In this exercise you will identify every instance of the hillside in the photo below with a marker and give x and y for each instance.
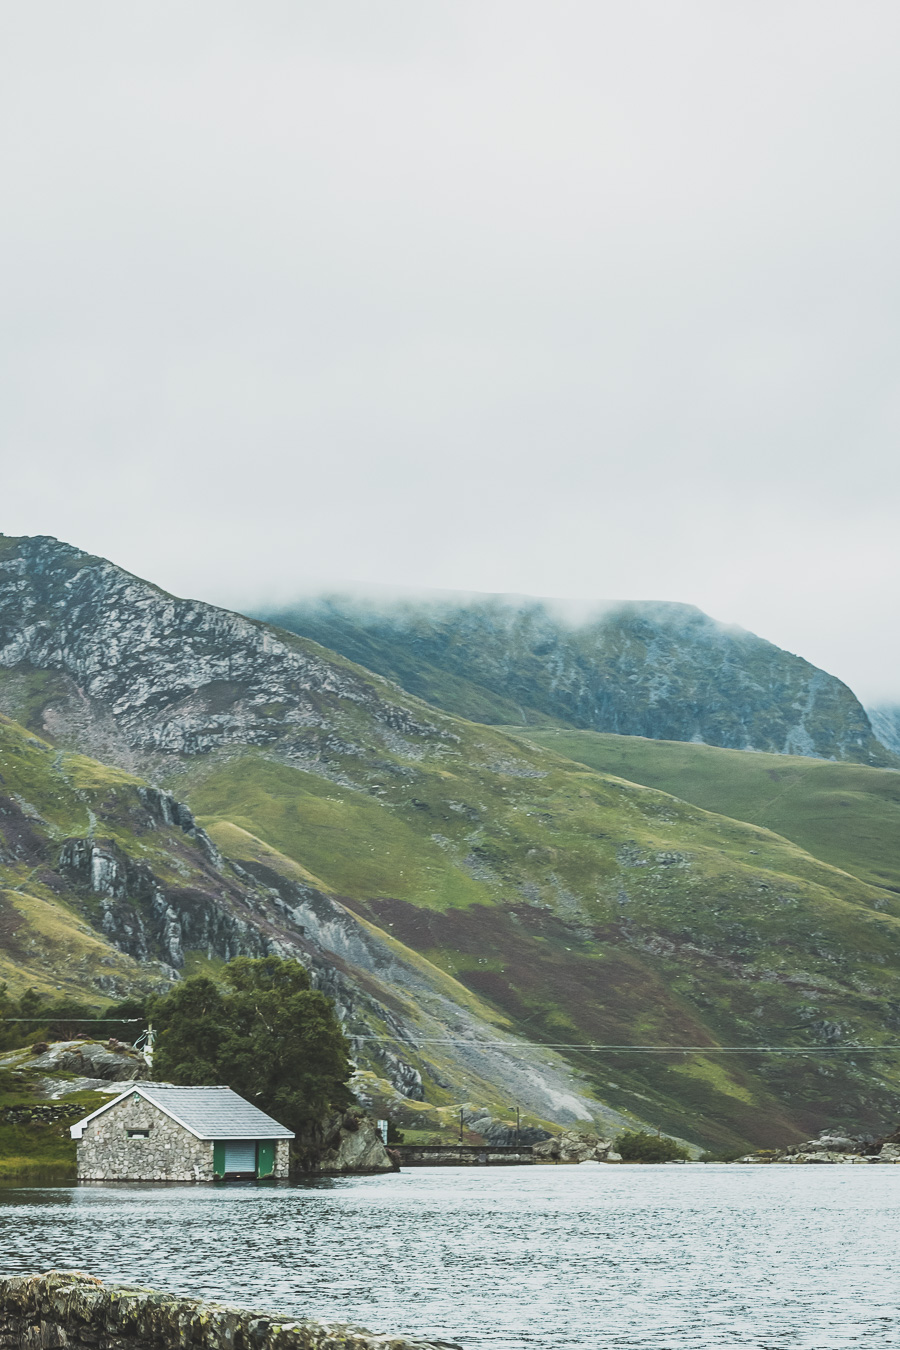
(455, 886)
(664, 671)
(845, 814)
(108, 888)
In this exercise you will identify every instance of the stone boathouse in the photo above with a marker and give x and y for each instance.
(159, 1132)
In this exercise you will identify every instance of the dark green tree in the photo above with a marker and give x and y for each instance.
(264, 1032)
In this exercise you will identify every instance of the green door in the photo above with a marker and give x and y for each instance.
(219, 1157)
(265, 1157)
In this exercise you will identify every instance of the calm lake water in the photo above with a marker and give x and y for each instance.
(567, 1258)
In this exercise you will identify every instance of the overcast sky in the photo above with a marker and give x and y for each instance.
(571, 299)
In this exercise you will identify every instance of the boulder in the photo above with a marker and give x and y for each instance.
(572, 1146)
(88, 1059)
(351, 1143)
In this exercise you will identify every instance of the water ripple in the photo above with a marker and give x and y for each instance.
(568, 1258)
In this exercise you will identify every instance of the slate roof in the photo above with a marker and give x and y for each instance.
(207, 1112)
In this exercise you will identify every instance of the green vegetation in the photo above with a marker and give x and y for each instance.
(344, 838)
(34, 1018)
(845, 814)
(582, 908)
(638, 1146)
(34, 1148)
(263, 1032)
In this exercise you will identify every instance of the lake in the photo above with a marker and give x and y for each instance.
(561, 1258)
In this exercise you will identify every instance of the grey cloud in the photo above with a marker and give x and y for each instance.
(579, 299)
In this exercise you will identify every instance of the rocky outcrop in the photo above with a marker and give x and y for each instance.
(348, 1141)
(92, 1060)
(574, 1146)
(665, 671)
(150, 920)
(831, 1147)
(81, 1313)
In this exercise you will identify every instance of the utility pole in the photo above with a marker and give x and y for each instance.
(460, 1124)
(517, 1127)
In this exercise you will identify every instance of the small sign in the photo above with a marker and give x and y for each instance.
(382, 1130)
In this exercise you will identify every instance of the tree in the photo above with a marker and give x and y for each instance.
(638, 1146)
(265, 1033)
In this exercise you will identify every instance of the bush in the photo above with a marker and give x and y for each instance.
(638, 1146)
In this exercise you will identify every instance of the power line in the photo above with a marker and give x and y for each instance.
(82, 1021)
(650, 1049)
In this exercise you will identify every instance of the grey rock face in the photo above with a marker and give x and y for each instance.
(886, 725)
(149, 921)
(172, 676)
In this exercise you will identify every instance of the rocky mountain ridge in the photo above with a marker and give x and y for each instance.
(665, 671)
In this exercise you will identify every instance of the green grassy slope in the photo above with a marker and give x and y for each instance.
(589, 909)
(61, 935)
(846, 814)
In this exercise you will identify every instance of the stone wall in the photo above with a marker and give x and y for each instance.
(76, 1311)
(171, 1153)
(463, 1155)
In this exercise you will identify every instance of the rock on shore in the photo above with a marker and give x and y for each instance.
(834, 1146)
(573, 1146)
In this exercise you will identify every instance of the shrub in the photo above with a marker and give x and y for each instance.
(638, 1146)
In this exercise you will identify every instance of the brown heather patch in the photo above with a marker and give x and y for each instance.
(10, 923)
(557, 985)
(21, 839)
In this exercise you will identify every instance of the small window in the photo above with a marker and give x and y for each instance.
(138, 1134)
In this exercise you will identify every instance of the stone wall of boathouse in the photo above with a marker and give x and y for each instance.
(106, 1152)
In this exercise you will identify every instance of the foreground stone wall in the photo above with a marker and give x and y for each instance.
(42, 1312)
(171, 1153)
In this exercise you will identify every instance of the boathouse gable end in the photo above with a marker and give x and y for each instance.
(158, 1132)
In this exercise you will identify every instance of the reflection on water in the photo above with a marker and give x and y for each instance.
(567, 1258)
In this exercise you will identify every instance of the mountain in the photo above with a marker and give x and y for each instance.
(484, 910)
(885, 722)
(665, 671)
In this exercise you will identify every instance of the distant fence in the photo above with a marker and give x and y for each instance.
(463, 1155)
